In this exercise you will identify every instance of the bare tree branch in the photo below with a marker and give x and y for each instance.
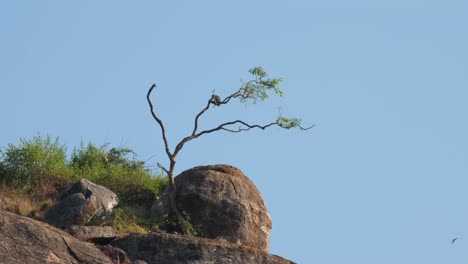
(218, 128)
(162, 167)
(305, 128)
(239, 93)
(246, 125)
(163, 130)
(195, 127)
(243, 93)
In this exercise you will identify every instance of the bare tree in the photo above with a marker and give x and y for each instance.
(254, 90)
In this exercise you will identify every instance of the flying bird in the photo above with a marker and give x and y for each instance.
(453, 240)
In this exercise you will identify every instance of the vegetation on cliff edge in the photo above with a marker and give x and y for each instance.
(35, 172)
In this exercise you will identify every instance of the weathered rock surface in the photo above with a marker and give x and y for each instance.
(116, 254)
(24, 240)
(80, 203)
(97, 234)
(223, 203)
(163, 248)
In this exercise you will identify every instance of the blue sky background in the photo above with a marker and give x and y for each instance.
(383, 176)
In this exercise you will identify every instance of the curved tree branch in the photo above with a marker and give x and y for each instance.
(243, 92)
(195, 127)
(246, 127)
(161, 125)
(162, 168)
(223, 126)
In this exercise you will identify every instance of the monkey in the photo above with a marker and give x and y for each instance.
(216, 100)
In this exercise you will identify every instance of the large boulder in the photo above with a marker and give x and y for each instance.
(80, 203)
(25, 240)
(176, 249)
(223, 203)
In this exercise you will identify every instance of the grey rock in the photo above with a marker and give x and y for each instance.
(223, 203)
(105, 199)
(97, 234)
(139, 262)
(116, 254)
(71, 210)
(24, 240)
(2, 205)
(165, 248)
(80, 203)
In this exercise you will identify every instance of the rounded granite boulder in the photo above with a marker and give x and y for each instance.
(223, 203)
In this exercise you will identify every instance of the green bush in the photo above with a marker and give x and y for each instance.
(43, 162)
(124, 222)
(117, 171)
(38, 170)
(33, 162)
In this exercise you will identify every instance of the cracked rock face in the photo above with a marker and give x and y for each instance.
(223, 203)
(174, 249)
(24, 240)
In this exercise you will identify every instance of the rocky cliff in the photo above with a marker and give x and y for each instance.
(194, 250)
(24, 240)
(223, 204)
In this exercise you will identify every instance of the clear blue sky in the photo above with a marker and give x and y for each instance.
(382, 178)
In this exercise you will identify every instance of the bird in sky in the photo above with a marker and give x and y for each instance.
(453, 240)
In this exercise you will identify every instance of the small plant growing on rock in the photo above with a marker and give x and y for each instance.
(257, 89)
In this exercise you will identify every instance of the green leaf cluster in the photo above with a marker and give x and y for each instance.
(34, 161)
(260, 87)
(288, 123)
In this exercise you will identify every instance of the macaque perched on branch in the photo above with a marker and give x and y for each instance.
(216, 100)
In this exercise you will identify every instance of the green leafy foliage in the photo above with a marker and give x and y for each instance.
(34, 172)
(260, 86)
(288, 123)
(114, 169)
(125, 222)
(164, 222)
(33, 162)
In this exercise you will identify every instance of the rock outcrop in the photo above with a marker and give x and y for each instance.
(223, 203)
(80, 203)
(24, 240)
(96, 234)
(224, 207)
(171, 249)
